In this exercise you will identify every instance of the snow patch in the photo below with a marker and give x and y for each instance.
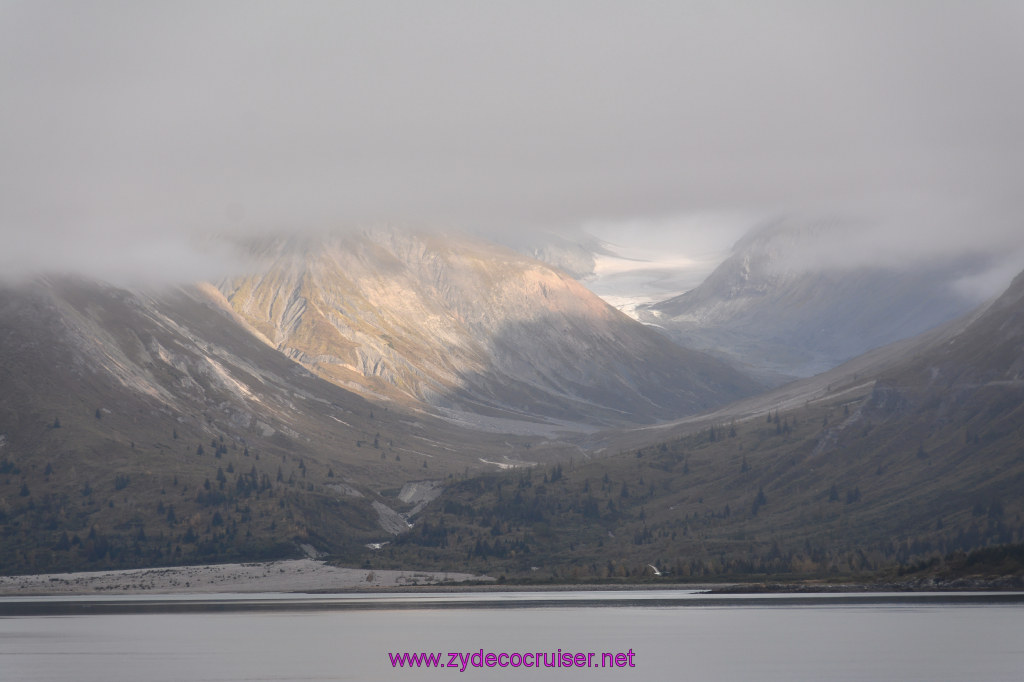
(508, 464)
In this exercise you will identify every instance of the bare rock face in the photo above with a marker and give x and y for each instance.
(458, 323)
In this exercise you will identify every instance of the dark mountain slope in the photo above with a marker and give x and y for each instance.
(137, 430)
(922, 458)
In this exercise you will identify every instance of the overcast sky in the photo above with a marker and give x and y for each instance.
(130, 130)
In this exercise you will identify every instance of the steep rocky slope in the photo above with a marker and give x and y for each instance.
(460, 324)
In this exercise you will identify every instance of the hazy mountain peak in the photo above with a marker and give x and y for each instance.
(778, 304)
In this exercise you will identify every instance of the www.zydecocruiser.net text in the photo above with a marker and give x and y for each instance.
(463, 660)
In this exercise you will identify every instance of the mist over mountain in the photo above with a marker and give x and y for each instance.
(572, 251)
(780, 304)
(549, 357)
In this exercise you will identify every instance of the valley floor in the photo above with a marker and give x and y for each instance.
(299, 575)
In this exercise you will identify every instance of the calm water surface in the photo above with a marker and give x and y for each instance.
(673, 635)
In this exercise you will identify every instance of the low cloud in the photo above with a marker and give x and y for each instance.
(133, 131)
(125, 259)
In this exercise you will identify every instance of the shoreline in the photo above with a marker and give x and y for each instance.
(296, 576)
(315, 577)
(293, 575)
(966, 584)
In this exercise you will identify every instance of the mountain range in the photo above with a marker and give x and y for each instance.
(460, 404)
(312, 401)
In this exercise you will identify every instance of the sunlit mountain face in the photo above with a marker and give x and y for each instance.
(463, 325)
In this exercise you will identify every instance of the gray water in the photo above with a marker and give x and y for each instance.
(673, 636)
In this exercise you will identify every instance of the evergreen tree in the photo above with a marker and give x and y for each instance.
(759, 502)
